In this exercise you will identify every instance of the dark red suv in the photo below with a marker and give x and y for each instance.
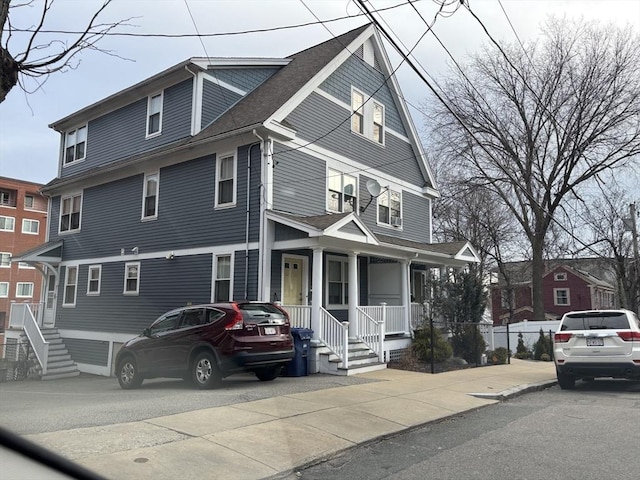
(205, 343)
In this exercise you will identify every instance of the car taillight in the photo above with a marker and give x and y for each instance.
(561, 337)
(237, 322)
(629, 336)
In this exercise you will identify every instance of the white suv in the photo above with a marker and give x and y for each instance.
(597, 343)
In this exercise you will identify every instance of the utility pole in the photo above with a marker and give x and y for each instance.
(634, 234)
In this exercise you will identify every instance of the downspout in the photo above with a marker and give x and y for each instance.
(262, 233)
(246, 238)
(194, 102)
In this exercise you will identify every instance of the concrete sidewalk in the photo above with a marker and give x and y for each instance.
(268, 437)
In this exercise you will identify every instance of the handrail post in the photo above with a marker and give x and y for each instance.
(381, 334)
(345, 344)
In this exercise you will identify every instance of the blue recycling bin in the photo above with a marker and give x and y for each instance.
(299, 364)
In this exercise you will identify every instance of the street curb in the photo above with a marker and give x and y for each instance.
(501, 396)
(516, 391)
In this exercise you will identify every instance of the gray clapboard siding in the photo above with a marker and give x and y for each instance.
(244, 78)
(283, 232)
(299, 182)
(164, 285)
(359, 74)
(318, 120)
(121, 133)
(215, 101)
(111, 213)
(93, 352)
(238, 275)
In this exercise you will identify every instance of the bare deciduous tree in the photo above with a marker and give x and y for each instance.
(542, 124)
(37, 57)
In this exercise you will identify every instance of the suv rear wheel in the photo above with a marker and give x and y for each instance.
(269, 373)
(128, 375)
(566, 382)
(204, 371)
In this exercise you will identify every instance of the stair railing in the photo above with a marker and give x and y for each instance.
(22, 315)
(335, 336)
(371, 331)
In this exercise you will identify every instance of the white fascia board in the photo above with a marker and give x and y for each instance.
(212, 78)
(239, 62)
(333, 230)
(320, 77)
(277, 130)
(475, 258)
(408, 121)
(303, 227)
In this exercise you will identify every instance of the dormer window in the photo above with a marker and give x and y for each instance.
(154, 115)
(367, 117)
(75, 145)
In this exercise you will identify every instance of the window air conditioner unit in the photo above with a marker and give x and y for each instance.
(396, 221)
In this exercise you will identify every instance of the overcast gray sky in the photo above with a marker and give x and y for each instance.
(29, 148)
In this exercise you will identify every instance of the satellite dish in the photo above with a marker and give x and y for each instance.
(373, 187)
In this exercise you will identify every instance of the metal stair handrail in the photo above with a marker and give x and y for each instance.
(23, 316)
(371, 331)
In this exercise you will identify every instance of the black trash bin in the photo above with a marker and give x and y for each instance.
(299, 364)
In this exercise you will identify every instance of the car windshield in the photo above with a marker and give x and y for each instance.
(595, 321)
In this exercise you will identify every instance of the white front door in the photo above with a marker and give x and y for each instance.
(49, 315)
(292, 281)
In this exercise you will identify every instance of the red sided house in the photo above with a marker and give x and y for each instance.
(565, 288)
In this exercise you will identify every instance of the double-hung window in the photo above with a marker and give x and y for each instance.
(561, 297)
(225, 181)
(132, 278)
(28, 201)
(70, 213)
(24, 289)
(5, 259)
(7, 224)
(390, 208)
(4, 289)
(222, 287)
(367, 117)
(154, 114)
(75, 145)
(29, 226)
(337, 282)
(342, 192)
(70, 287)
(150, 196)
(93, 280)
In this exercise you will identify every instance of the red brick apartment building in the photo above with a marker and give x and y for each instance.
(23, 225)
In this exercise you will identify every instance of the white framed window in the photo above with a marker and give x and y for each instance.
(94, 278)
(7, 224)
(24, 289)
(154, 114)
(390, 208)
(132, 278)
(70, 287)
(25, 265)
(337, 282)
(367, 117)
(7, 198)
(222, 287)
(75, 145)
(150, 196)
(4, 289)
(561, 297)
(31, 227)
(70, 210)
(342, 192)
(560, 276)
(29, 201)
(5, 259)
(226, 169)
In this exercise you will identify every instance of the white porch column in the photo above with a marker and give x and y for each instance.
(406, 294)
(316, 293)
(353, 294)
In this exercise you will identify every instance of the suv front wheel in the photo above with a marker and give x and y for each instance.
(204, 370)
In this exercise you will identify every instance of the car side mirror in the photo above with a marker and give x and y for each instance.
(146, 332)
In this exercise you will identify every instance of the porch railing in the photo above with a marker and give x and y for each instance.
(335, 335)
(21, 316)
(299, 315)
(418, 314)
(371, 331)
(18, 312)
(392, 317)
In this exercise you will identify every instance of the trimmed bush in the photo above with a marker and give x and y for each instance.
(498, 356)
(422, 345)
(468, 342)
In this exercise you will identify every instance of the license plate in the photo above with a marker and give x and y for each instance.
(269, 330)
(595, 342)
